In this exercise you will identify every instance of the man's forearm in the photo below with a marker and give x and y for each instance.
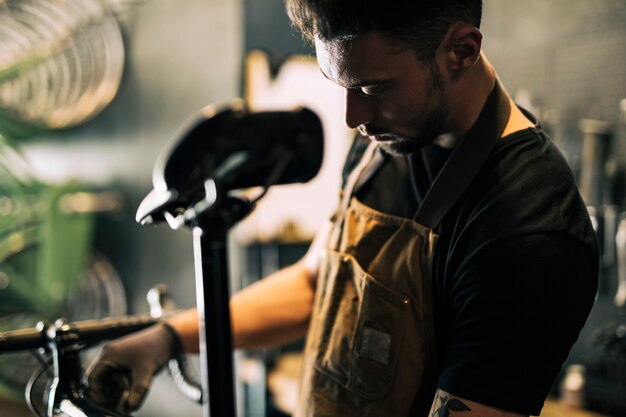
(274, 310)
(269, 312)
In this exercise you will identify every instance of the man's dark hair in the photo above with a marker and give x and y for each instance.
(417, 24)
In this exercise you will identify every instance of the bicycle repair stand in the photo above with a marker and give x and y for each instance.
(212, 295)
(194, 179)
(210, 219)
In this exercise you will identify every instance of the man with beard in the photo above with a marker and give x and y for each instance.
(460, 265)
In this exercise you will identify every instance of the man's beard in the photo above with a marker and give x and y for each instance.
(432, 125)
(429, 124)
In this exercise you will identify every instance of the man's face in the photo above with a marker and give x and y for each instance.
(391, 96)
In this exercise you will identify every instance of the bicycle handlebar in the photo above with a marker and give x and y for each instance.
(90, 331)
(23, 339)
(63, 340)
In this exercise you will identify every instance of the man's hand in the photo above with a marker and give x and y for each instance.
(121, 375)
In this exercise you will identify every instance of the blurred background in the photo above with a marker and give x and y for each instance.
(92, 90)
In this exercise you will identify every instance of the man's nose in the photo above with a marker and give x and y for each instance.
(358, 110)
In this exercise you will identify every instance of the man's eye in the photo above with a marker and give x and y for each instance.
(371, 91)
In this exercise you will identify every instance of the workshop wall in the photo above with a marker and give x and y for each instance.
(180, 56)
(178, 59)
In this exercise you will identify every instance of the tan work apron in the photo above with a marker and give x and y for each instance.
(371, 348)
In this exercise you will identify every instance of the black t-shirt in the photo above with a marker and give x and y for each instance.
(515, 267)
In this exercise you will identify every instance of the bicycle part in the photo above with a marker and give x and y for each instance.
(89, 332)
(161, 303)
(62, 62)
(212, 297)
(99, 293)
(222, 150)
(194, 179)
(45, 367)
(64, 341)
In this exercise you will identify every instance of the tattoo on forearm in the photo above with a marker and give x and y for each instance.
(448, 405)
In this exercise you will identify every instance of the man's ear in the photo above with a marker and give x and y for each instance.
(460, 47)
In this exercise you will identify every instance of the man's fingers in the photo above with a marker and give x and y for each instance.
(108, 384)
(135, 398)
(139, 389)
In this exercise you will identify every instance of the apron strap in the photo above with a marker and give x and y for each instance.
(361, 173)
(367, 166)
(466, 160)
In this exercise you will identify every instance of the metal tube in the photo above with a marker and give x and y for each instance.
(597, 136)
(620, 242)
(212, 298)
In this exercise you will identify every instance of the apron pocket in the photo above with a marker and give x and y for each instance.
(363, 327)
(377, 339)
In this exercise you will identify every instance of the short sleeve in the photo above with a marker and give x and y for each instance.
(514, 309)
